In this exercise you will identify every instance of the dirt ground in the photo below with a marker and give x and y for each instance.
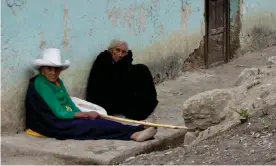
(252, 142)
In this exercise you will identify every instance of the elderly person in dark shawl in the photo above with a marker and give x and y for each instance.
(120, 87)
(51, 112)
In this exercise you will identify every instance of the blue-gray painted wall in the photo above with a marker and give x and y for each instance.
(154, 29)
(160, 33)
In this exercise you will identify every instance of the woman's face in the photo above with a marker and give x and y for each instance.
(51, 73)
(119, 52)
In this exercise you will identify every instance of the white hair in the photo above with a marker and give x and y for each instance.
(116, 42)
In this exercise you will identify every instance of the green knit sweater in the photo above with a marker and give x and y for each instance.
(57, 98)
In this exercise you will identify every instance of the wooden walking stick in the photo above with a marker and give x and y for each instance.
(85, 104)
(141, 122)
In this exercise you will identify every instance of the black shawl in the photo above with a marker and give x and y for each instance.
(120, 87)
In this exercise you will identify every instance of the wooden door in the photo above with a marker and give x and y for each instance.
(217, 32)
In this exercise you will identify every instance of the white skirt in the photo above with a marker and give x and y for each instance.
(85, 106)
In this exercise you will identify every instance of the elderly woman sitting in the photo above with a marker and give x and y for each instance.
(51, 112)
(120, 87)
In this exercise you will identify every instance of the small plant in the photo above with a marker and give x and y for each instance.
(244, 115)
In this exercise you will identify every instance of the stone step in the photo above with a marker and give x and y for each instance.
(25, 149)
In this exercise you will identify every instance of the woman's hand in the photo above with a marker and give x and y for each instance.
(93, 115)
(81, 115)
(87, 115)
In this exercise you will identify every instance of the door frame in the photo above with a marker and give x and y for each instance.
(226, 36)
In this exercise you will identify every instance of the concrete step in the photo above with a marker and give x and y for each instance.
(25, 149)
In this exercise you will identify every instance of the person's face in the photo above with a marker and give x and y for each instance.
(51, 73)
(119, 52)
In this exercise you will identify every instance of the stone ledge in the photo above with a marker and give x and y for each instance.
(47, 150)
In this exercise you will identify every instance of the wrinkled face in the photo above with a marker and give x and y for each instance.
(51, 73)
(119, 52)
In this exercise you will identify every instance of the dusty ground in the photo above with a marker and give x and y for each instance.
(250, 143)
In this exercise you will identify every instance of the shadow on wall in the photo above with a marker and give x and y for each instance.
(167, 59)
(258, 32)
(13, 106)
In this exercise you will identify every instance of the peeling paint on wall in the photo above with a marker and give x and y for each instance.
(258, 24)
(134, 17)
(15, 4)
(186, 11)
(166, 58)
(42, 41)
(235, 27)
(66, 28)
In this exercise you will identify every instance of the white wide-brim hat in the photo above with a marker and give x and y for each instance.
(51, 57)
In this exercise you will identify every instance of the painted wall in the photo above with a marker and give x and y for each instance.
(258, 24)
(235, 27)
(161, 34)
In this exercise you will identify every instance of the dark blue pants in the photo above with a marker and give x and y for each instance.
(96, 129)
